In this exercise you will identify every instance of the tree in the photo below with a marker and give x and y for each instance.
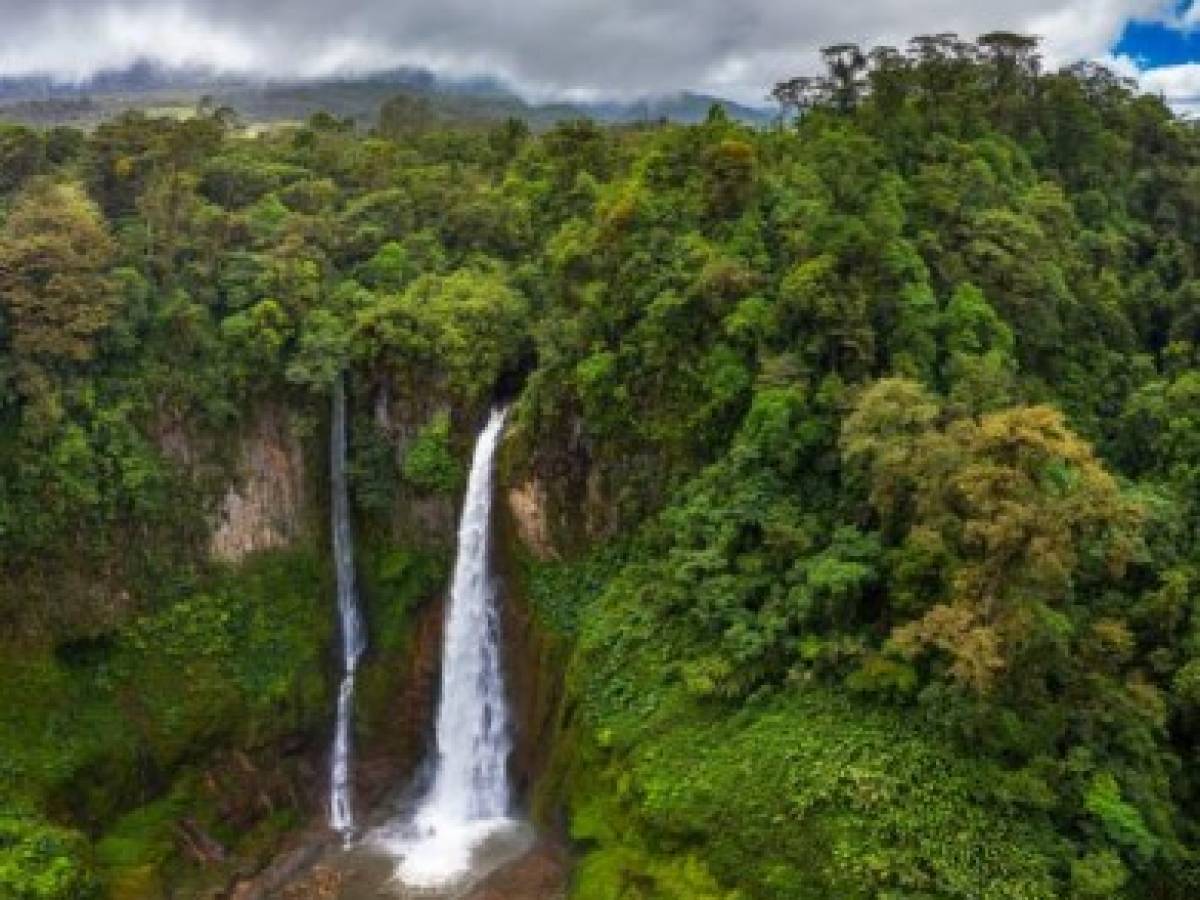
(888, 79)
(729, 177)
(1012, 510)
(1014, 65)
(829, 315)
(1014, 57)
(1010, 256)
(406, 115)
(170, 209)
(847, 66)
(22, 156)
(800, 94)
(979, 369)
(55, 284)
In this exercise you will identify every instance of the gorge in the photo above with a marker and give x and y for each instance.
(456, 823)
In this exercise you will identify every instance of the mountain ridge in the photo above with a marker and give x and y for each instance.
(43, 99)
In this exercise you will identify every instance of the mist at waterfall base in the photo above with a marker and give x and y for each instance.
(467, 804)
(341, 808)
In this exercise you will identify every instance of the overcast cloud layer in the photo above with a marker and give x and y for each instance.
(581, 48)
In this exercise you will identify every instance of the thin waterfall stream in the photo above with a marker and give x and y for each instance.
(341, 793)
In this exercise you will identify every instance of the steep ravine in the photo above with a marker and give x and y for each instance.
(533, 662)
(199, 759)
(206, 774)
(401, 560)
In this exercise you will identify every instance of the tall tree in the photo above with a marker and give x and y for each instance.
(1010, 513)
(55, 285)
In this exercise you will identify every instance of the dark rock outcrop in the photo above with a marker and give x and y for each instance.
(400, 730)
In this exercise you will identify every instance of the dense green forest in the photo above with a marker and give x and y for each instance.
(866, 443)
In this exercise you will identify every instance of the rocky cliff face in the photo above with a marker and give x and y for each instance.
(535, 665)
(535, 659)
(529, 511)
(398, 708)
(265, 505)
(562, 497)
(416, 519)
(268, 482)
(257, 478)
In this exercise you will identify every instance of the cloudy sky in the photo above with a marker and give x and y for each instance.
(735, 48)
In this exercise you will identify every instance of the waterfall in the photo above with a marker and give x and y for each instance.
(472, 728)
(468, 800)
(341, 797)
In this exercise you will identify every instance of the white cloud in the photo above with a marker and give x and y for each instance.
(1179, 85)
(581, 47)
(1085, 29)
(73, 45)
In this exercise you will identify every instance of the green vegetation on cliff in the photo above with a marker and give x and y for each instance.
(106, 724)
(810, 792)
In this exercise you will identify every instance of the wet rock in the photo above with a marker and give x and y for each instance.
(535, 661)
(399, 723)
(540, 874)
(244, 791)
(323, 883)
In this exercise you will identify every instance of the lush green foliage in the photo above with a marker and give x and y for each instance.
(430, 463)
(808, 793)
(39, 862)
(896, 401)
(82, 730)
(394, 581)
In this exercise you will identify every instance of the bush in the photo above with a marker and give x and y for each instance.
(41, 862)
(429, 463)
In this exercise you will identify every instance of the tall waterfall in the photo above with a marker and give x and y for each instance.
(468, 800)
(341, 797)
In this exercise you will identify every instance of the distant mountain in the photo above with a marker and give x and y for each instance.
(681, 107)
(151, 86)
(140, 78)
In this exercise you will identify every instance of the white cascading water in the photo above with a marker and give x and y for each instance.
(341, 795)
(468, 800)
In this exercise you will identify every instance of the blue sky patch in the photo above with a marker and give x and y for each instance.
(1158, 44)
